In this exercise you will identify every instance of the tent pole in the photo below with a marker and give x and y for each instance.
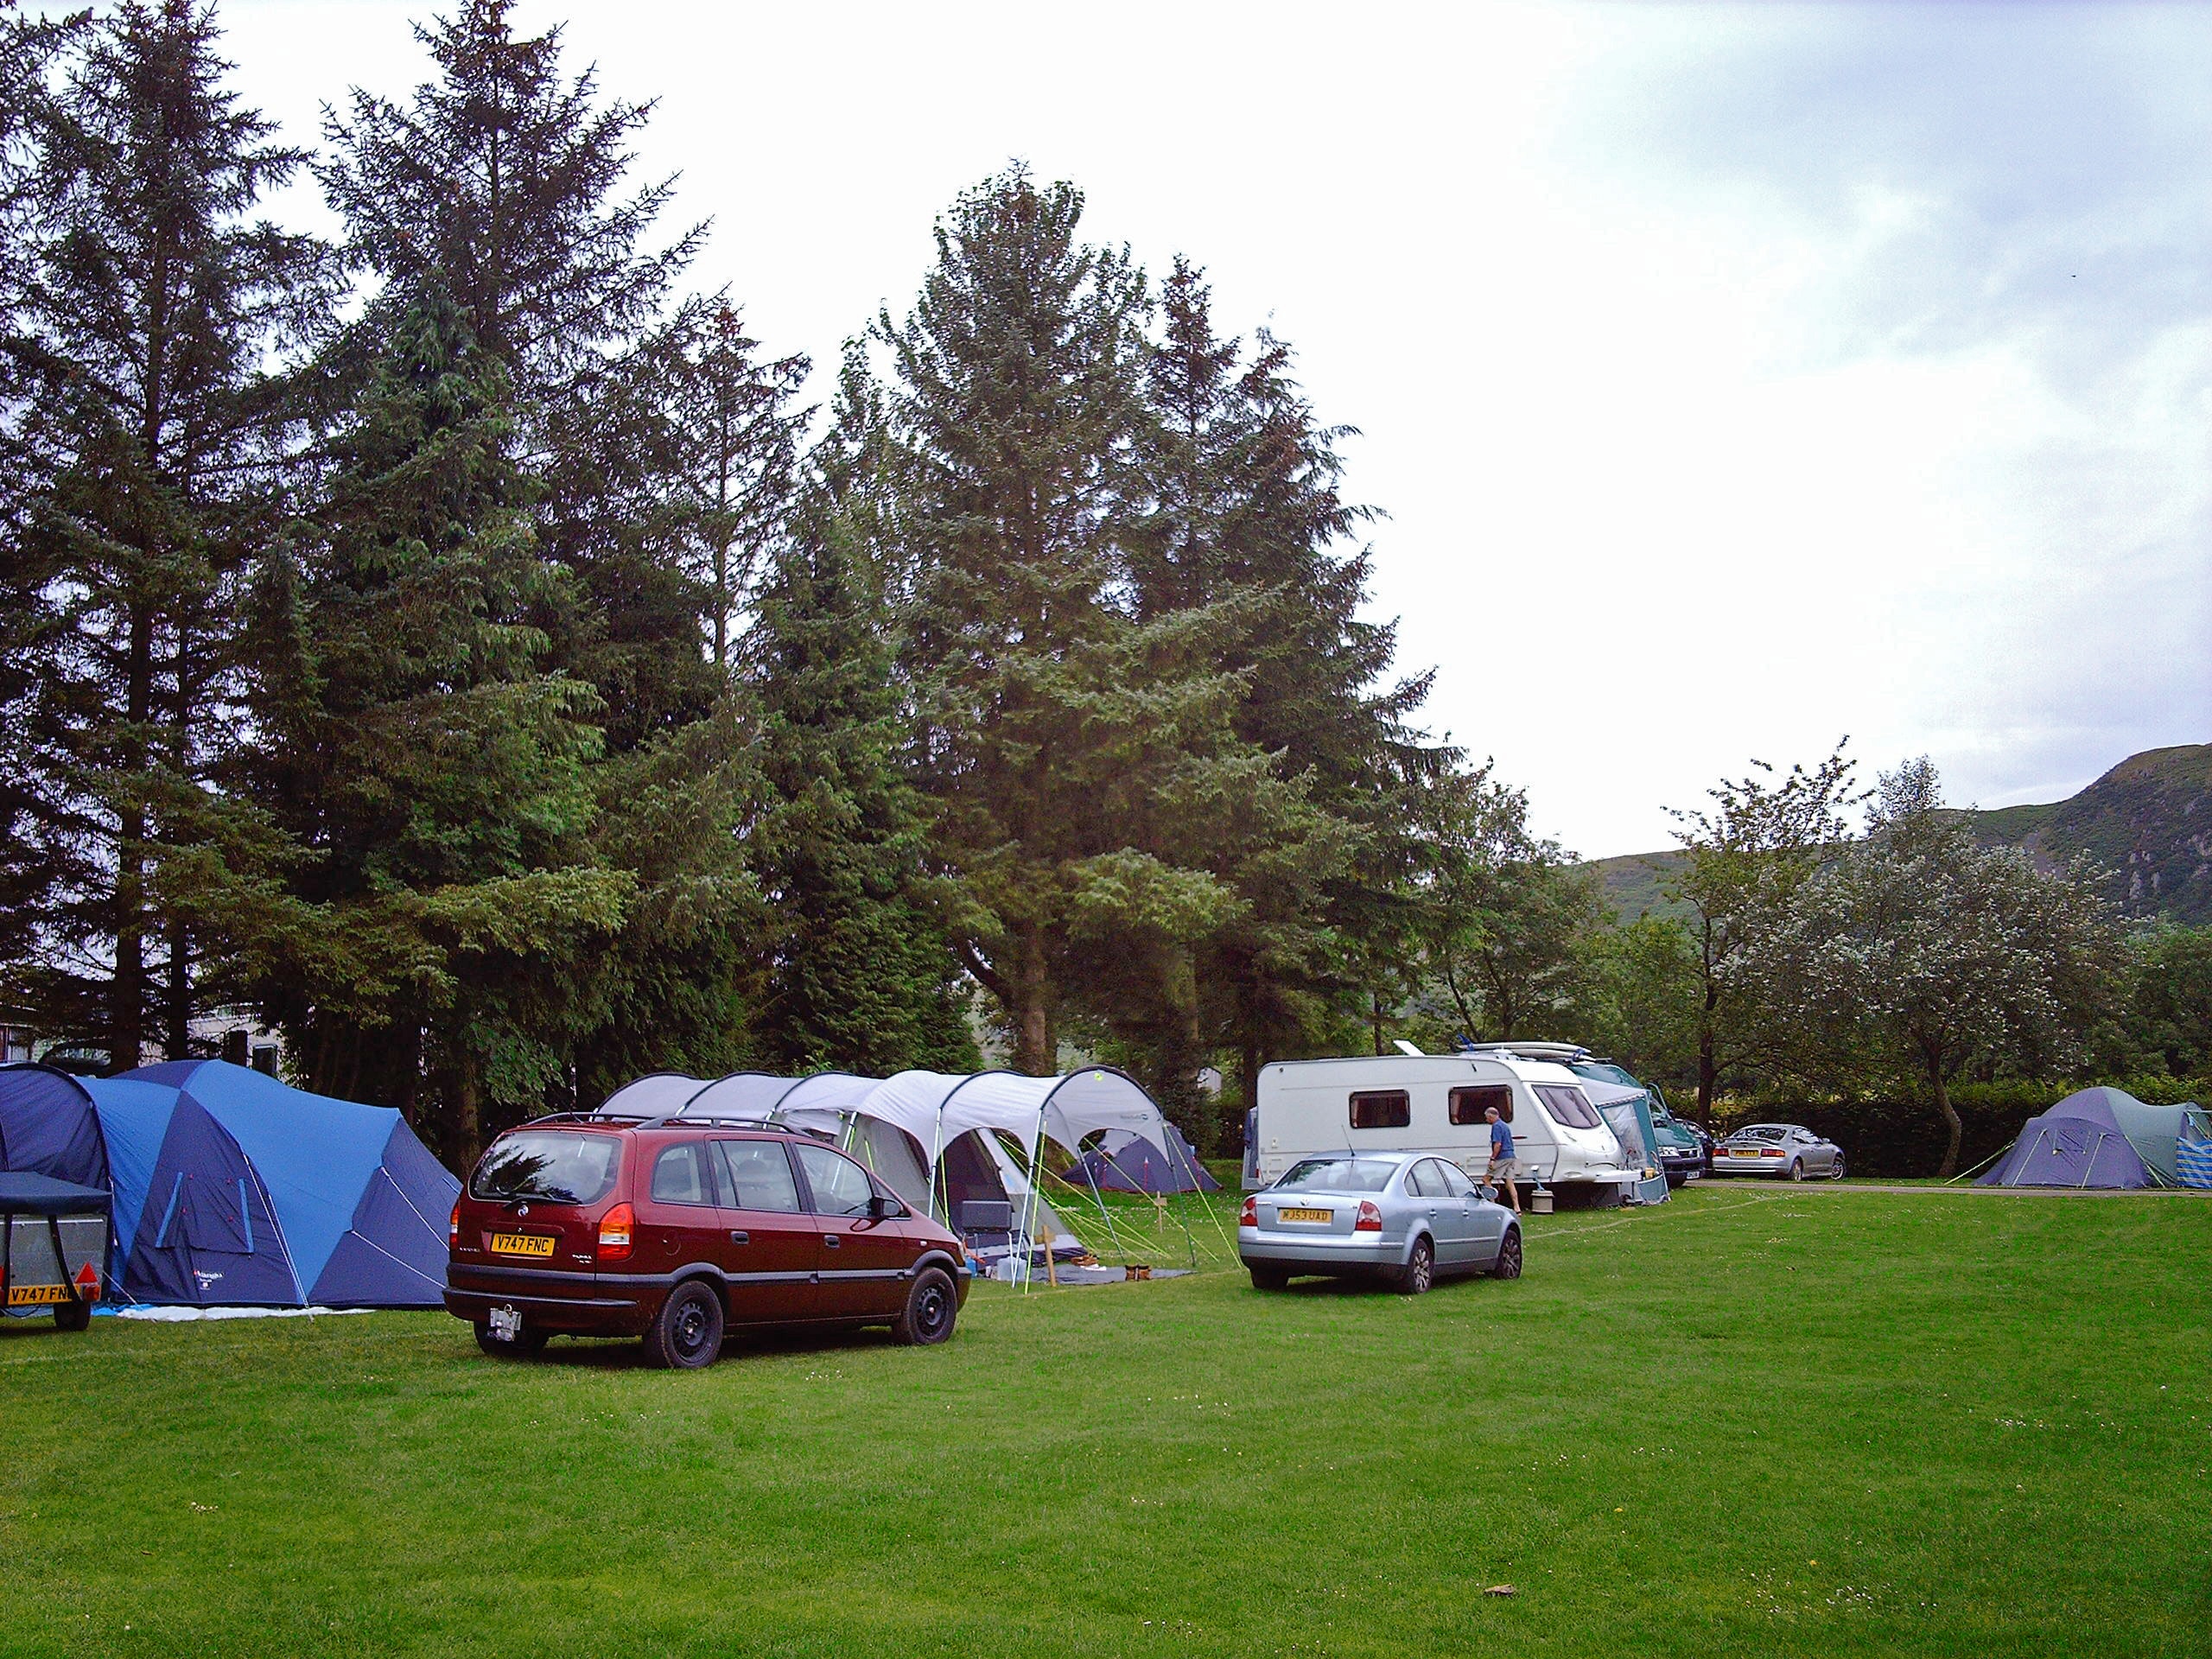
(1029, 1222)
(1104, 1214)
(1199, 1187)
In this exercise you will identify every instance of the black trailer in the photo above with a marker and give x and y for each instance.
(55, 1237)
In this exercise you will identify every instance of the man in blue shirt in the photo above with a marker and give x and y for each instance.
(1504, 1167)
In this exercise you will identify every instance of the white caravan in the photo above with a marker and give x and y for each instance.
(1436, 1103)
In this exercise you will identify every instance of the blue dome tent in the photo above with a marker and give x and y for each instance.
(48, 1126)
(231, 1189)
(1127, 1162)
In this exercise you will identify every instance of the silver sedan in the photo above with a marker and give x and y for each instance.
(1401, 1216)
(1777, 1149)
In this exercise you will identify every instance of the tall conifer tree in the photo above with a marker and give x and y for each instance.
(1074, 746)
(1251, 521)
(431, 773)
(151, 442)
(861, 977)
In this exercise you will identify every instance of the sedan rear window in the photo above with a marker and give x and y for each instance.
(551, 1165)
(1759, 1132)
(1338, 1175)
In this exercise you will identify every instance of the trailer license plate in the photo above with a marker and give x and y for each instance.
(521, 1244)
(38, 1295)
(1304, 1215)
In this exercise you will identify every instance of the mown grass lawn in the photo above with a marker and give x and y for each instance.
(1754, 1421)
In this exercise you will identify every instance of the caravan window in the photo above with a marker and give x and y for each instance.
(1382, 1109)
(1468, 1104)
(1568, 1106)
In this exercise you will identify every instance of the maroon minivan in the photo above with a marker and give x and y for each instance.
(675, 1228)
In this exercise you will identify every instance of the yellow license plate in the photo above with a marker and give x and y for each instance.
(38, 1295)
(1303, 1215)
(521, 1244)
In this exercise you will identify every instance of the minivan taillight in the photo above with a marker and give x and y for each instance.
(452, 1228)
(614, 1230)
(1251, 1216)
(1370, 1218)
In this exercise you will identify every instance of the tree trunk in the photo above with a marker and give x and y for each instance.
(127, 1012)
(1942, 1086)
(1032, 1024)
(1708, 1071)
(468, 1115)
(1377, 1003)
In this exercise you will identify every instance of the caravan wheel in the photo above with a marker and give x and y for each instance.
(73, 1315)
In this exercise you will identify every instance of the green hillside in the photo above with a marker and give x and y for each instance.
(2148, 821)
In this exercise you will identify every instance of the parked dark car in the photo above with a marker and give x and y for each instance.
(675, 1230)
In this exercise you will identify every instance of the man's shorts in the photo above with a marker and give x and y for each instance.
(1502, 1169)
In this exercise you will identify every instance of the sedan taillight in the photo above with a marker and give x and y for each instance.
(1370, 1218)
(614, 1230)
(1251, 1216)
(453, 1227)
(1769, 1152)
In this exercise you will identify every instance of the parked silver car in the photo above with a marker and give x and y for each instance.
(1401, 1216)
(1778, 1149)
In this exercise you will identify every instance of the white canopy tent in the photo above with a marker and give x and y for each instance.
(903, 1126)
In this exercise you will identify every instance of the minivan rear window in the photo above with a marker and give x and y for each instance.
(1382, 1109)
(555, 1166)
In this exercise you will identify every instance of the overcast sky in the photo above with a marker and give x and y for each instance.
(1734, 377)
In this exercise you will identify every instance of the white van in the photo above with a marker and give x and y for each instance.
(1436, 1103)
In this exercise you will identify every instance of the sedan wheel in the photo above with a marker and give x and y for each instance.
(1419, 1271)
(1271, 1278)
(1508, 1265)
(1797, 1169)
(1836, 1173)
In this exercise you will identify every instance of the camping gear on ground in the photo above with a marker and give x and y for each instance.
(230, 1188)
(54, 1237)
(2079, 1143)
(1125, 1162)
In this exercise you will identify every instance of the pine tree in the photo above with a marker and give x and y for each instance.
(1251, 522)
(862, 977)
(501, 182)
(150, 441)
(1074, 748)
(431, 772)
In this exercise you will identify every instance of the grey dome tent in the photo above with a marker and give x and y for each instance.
(2080, 1142)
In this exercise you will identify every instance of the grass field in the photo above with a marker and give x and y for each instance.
(1751, 1422)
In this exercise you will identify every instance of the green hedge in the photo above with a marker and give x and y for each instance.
(1906, 1137)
